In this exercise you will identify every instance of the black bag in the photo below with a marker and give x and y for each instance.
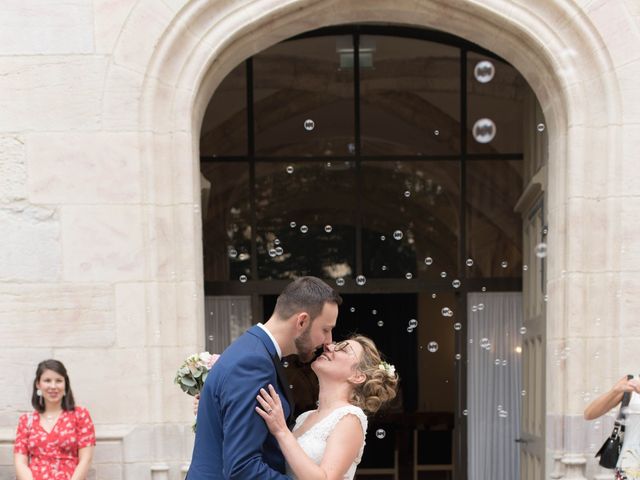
(610, 450)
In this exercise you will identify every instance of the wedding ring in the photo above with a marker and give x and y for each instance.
(269, 411)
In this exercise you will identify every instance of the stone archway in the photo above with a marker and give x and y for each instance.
(187, 50)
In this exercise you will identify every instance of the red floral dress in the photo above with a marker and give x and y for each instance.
(54, 455)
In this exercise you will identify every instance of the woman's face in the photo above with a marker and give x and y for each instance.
(338, 360)
(52, 386)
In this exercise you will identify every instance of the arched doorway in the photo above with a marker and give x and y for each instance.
(388, 161)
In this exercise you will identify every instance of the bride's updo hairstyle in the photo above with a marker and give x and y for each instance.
(381, 383)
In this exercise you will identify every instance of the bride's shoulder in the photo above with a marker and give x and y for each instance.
(340, 413)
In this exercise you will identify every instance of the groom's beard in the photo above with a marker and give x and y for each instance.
(306, 350)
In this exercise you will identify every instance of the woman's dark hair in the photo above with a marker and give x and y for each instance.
(68, 403)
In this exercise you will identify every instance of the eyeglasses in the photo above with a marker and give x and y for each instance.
(344, 346)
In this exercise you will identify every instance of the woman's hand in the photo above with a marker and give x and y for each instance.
(623, 385)
(270, 410)
(196, 401)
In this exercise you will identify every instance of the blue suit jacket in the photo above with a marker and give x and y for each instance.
(232, 441)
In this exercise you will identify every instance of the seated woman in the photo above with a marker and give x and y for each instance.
(57, 439)
(327, 443)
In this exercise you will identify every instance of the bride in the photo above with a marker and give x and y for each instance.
(327, 443)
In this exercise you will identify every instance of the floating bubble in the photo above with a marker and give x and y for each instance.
(352, 309)
(340, 282)
(328, 228)
(408, 275)
(469, 262)
(523, 393)
(503, 414)
(413, 323)
(428, 261)
(272, 252)
(484, 289)
(289, 169)
(433, 295)
(455, 283)
(410, 329)
(361, 280)
(525, 268)
(465, 412)
(279, 251)
(458, 356)
(546, 298)
(485, 343)
(407, 193)
(504, 363)
(457, 326)
(351, 148)
(380, 433)
(211, 337)
(480, 307)
(383, 238)
(432, 346)
(443, 274)
(292, 224)
(484, 130)
(380, 323)
(523, 330)
(504, 264)
(484, 71)
(276, 241)
(290, 387)
(233, 253)
(243, 278)
(497, 361)
(304, 228)
(474, 308)
(436, 132)
(285, 364)
(397, 235)
(541, 250)
(540, 127)
(309, 124)
(383, 268)
(446, 312)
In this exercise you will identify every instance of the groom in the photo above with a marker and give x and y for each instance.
(232, 441)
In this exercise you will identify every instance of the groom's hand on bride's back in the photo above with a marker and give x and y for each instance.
(196, 401)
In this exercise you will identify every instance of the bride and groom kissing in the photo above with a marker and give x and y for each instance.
(246, 409)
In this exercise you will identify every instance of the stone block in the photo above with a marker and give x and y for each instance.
(630, 232)
(109, 471)
(108, 452)
(138, 447)
(51, 93)
(84, 168)
(109, 20)
(58, 315)
(629, 304)
(131, 319)
(122, 93)
(630, 90)
(629, 174)
(30, 247)
(103, 243)
(45, 27)
(13, 169)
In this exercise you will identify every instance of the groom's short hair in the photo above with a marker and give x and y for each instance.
(305, 294)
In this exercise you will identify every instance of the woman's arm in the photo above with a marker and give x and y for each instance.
(343, 444)
(85, 456)
(23, 472)
(610, 399)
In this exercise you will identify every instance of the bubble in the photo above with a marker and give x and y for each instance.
(279, 251)
(290, 387)
(340, 281)
(497, 361)
(382, 238)
(351, 147)
(443, 274)
(465, 412)
(413, 323)
(309, 124)
(432, 346)
(397, 235)
(285, 364)
(523, 393)
(361, 280)
(433, 295)
(289, 169)
(408, 275)
(455, 283)
(504, 363)
(525, 268)
(546, 298)
(484, 71)
(436, 132)
(233, 253)
(484, 289)
(523, 330)
(352, 309)
(428, 261)
(485, 343)
(407, 193)
(304, 228)
(243, 278)
(541, 250)
(540, 127)
(458, 356)
(380, 433)
(328, 228)
(469, 262)
(383, 268)
(484, 130)
(474, 308)
(211, 337)
(276, 241)
(503, 414)
(292, 224)
(457, 326)
(374, 312)
(380, 323)
(480, 307)
(446, 312)
(272, 252)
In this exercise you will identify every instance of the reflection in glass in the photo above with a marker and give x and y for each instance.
(319, 198)
(410, 97)
(303, 98)
(416, 234)
(226, 224)
(494, 230)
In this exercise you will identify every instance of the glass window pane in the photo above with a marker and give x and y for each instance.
(224, 127)
(494, 230)
(305, 219)
(495, 106)
(409, 212)
(226, 224)
(410, 97)
(303, 97)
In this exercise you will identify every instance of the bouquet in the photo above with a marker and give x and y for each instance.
(193, 372)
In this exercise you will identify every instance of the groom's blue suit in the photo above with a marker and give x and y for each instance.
(232, 441)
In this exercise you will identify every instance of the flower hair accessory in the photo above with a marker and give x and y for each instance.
(389, 369)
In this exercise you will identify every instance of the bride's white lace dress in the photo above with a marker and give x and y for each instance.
(314, 440)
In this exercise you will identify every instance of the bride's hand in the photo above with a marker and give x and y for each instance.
(270, 410)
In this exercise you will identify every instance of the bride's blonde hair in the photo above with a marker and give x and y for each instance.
(381, 382)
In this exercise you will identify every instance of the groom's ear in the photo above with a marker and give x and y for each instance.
(302, 320)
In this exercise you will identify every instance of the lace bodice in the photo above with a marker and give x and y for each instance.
(314, 440)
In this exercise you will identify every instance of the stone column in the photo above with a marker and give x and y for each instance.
(558, 467)
(575, 465)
